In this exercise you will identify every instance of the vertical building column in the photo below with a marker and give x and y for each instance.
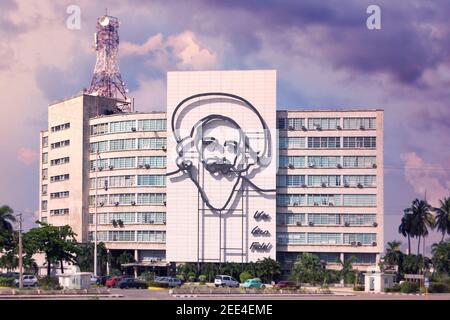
(107, 262)
(136, 258)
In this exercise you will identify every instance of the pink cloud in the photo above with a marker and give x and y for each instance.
(426, 177)
(27, 156)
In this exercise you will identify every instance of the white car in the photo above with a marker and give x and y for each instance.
(93, 279)
(171, 281)
(226, 281)
(28, 281)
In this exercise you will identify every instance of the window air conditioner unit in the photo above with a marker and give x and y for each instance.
(339, 166)
(164, 222)
(339, 127)
(140, 166)
(347, 224)
(331, 204)
(151, 222)
(101, 204)
(120, 222)
(163, 148)
(374, 243)
(164, 202)
(116, 203)
(111, 167)
(311, 165)
(133, 203)
(291, 166)
(375, 224)
(299, 224)
(359, 243)
(295, 204)
(353, 243)
(311, 223)
(324, 185)
(100, 168)
(291, 128)
(147, 166)
(114, 222)
(318, 127)
(316, 204)
(133, 129)
(361, 127)
(360, 185)
(304, 128)
(374, 165)
(304, 185)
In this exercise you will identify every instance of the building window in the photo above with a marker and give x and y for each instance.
(151, 236)
(291, 123)
(152, 125)
(359, 162)
(360, 180)
(290, 218)
(57, 162)
(60, 144)
(60, 127)
(324, 181)
(123, 235)
(122, 144)
(286, 238)
(324, 238)
(59, 212)
(363, 238)
(151, 180)
(292, 142)
(100, 146)
(359, 123)
(360, 200)
(151, 198)
(125, 217)
(151, 143)
(62, 177)
(101, 200)
(359, 219)
(290, 199)
(361, 258)
(44, 142)
(44, 158)
(101, 128)
(324, 199)
(152, 162)
(44, 174)
(123, 163)
(290, 180)
(323, 161)
(44, 189)
(151, 217)
(323, 123)
(44, 205)
(122, 126)
(360, 142)
(102, 164)
(58, 195)
(292, 161)
(44, 219)
(121, 181)
(324, 142)
(324, 219)
(122, 198)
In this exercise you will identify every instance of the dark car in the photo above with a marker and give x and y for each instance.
(286, 285)
(127, 283)
(102, 280)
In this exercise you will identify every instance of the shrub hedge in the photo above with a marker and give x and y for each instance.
(409, 287)
(49, 283)
(7, 282)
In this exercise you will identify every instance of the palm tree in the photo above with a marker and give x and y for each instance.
(443, 217)
(394, 255)
(346, 267)
(6, 218)
(406, 228)
(422, 219)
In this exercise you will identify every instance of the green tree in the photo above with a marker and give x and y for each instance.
(406, 228)
(269, 269)
(412, 264)
(7, 218)
(422, 219)
(210, 271)
(443, 217)
(186, 268)
(308, 268)
(85, 257)
(346, 267)
(231, 268)
(441, 256)
(124, 258)
(58, 244)
(244, 276)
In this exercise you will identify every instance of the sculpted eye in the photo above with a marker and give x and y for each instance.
(231, 144)
(209, 143)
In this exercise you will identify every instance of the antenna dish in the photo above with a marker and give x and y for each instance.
(104, 21)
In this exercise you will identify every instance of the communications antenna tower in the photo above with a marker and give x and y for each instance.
(107, 81)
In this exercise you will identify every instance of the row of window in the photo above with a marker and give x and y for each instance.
(130, 218)
(327, 161)
(326, 180)
(285, 238)
(129, 199)
(327, 142)
(129, 235)
(58, 195)
(329, 257)
(130, 162)
(60, 144)
(60, 127)
(59, 161)
(347, 200)
(129, 181)
(129, 126)
(326, 219)
(61, 177)
(59, 212)
(129, 144)
(326, 123)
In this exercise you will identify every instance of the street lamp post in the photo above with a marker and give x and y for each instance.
(19, 216)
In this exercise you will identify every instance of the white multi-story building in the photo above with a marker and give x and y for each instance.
(221, 177)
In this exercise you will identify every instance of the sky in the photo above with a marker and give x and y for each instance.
(325, 57)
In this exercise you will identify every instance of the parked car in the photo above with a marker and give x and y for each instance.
(102, 280)
(254, 283)
(112, 283)
(28, 281)
(127, 283)
(12, 275)
(286, 285)
(226, 281)
(171, 281)
(93, 279)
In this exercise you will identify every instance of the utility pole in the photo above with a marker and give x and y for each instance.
(95, 211)
(19, 216)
